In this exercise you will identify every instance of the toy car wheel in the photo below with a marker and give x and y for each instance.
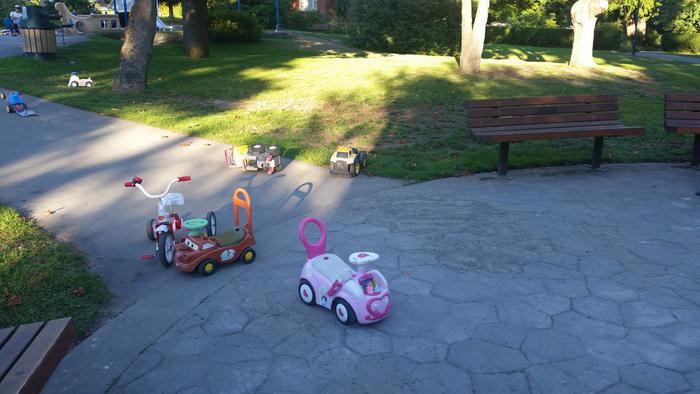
(88, 84)
(151, 229)
(211, 224)
(248, 256)
(343, 311)
(354, 169)
(208, 267)
(3, 96)
(257, 149)
(306, 293)
(74, 84)
(273, 150)
(166, 249)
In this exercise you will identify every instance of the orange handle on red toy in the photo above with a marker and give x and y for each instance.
(239, 202)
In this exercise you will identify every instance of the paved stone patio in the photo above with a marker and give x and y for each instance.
(548, 281)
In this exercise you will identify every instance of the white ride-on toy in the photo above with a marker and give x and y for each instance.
(75, 81)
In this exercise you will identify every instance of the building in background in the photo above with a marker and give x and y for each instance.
(327, 8)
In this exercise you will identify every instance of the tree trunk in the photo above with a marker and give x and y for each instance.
(584, 15)
(171, 15)
(136, 50)
(473, 35)
(195, 28)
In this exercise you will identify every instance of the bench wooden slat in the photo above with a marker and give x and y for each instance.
(14, 347)
(541, 100)
(572, 127)
(683, 115)
(686, 97)
(682, 106)
(683, 128)
(548, 134)
(536, 119)
(546, 126)
(542, 110)
(5, 334)
(35, 366)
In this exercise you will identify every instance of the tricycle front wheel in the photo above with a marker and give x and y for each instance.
(166, 249)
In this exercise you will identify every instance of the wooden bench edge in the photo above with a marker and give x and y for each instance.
(42, 361)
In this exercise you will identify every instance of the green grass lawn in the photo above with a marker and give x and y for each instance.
(406, 109)
(42, 278)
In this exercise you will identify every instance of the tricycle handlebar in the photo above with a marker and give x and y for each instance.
(136, 182)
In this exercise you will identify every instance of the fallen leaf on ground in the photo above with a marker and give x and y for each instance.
(79, 291)
(14, 300)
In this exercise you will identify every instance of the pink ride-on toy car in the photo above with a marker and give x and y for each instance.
(354, 295)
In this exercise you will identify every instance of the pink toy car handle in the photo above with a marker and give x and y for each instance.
(317, 249)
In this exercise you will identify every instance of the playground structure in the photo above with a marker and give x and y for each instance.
(100, 23)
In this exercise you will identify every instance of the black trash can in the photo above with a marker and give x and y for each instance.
(38, 33)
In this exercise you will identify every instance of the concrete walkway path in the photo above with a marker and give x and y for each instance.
(13, 46)
(550, 280)
(669, 57)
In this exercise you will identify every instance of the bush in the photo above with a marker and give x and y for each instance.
(608, 36)
(300, 20)
(531, 36)
(681, 42)
(679, 16)
(228, 25)
(406, 26)
(652, 38)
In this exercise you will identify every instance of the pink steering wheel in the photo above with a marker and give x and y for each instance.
(317, 249)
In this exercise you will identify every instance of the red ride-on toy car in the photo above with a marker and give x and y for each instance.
(204, 252)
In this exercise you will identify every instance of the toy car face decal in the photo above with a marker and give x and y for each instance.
(190, 244)
(227, 255)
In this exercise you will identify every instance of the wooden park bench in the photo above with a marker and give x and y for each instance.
(30, 353)
(504, 121)
(321, 27)
(682, 116)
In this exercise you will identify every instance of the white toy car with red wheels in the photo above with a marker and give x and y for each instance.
(75, 81)
(254, 158)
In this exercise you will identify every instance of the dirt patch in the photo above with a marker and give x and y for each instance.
(321, 44)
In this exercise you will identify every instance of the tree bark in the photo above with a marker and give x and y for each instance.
(136, 50)
(584, 15)
(171, 15)
(195, 28)
(473, 35)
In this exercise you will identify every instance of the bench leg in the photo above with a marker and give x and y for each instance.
(597, 152)
(503, 158)
(696, 151)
